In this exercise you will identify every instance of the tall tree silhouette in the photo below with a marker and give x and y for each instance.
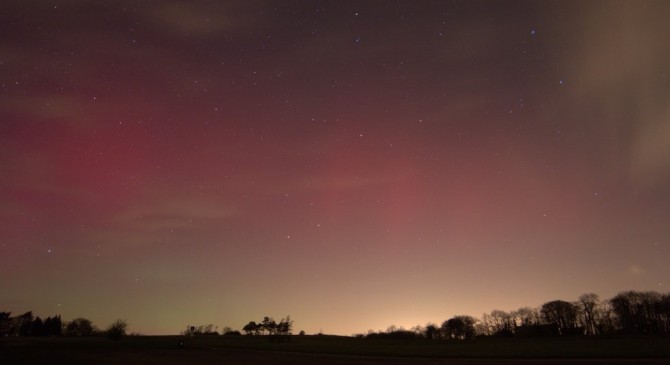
(459, 327)
(53, 326)
(37, 327)
(562, 314)
(284, 326)
(23, 324)
(5, 323)
(590, 311)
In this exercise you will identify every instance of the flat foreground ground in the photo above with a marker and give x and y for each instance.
(164, 351)
(241, 357)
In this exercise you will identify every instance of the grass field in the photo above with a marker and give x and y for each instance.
(638, 347)
(332, 350)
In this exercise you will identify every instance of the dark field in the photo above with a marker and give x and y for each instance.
(332, 350)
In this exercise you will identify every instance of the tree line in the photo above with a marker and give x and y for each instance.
(267, 327)
(27, 324)
(629, 312)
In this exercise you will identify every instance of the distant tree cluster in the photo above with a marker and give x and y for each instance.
(268, 326)
(630, 312)
(28, 325)
(209, 330)
(642, 312)
(393, 332)
(202, 330)
(456, 328)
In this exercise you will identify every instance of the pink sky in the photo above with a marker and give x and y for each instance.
(352, 165)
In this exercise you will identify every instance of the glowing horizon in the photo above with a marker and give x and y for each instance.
(352, 165)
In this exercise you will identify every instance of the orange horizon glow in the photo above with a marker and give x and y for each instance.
(351, 165)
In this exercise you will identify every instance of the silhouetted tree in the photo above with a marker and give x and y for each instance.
(202, 330)
(561, 314)
(284, 326)
(459, 327)
(431, 331)
(269, 325)
(419, 330)
(526, 316)
(607, 323)
(21, 325)
(501, 323)
(117, 329)
(79, 327)
(638, 312)
(590, 312)
(208, 329)
(251, 328)
(37, 327)
(393, 332)
(664, 313)
(5, 323)
(53, 326)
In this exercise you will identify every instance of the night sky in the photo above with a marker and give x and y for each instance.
(353, 164)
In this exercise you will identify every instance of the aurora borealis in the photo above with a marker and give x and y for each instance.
(353, 164)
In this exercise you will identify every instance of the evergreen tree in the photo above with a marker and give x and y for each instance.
(37, 327)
